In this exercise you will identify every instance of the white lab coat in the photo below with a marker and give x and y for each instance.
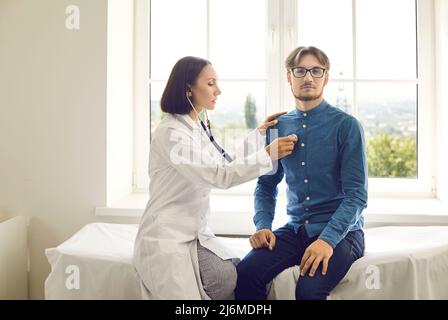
(165, 252)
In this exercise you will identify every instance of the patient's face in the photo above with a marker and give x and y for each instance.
(308, 88)
(206, 90)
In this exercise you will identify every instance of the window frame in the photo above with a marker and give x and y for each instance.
(281, 38)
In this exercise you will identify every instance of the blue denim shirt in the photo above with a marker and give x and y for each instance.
(326, 174)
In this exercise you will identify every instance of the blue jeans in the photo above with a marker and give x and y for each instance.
(260, 266)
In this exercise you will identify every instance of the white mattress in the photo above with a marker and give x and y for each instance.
(399, 263)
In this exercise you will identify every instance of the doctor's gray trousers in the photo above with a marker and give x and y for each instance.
(218, 276)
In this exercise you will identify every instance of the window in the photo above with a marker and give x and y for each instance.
(378, 63)
(242, 104)
(381, 56)
(236, 50)
(377, 75)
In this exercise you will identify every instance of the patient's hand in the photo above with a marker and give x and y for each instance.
(263, 238)
(317, 252)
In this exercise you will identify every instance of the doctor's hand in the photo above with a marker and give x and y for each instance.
(281, 147)
(269, 122)
(317, 252)
(263, 238)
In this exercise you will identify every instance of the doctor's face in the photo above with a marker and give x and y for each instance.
(206, 91)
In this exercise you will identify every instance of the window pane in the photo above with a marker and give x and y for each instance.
(178, 29)
(386, 39)
(238, 38)
(340, 95)
(390, 124)
(327, 24)
(240, 108)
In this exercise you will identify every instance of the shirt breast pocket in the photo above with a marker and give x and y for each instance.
(323, 154)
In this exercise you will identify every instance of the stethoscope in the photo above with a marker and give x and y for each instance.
(208, 132)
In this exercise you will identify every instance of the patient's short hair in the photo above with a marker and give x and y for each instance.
(297, 54)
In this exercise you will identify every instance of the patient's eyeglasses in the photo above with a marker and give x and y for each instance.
(300, 72)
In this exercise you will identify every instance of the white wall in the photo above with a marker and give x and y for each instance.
(52, 121)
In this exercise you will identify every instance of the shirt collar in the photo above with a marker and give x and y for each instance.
(315, 111)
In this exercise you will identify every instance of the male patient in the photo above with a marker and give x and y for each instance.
(326, 178)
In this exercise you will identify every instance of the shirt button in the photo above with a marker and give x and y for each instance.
(304, 126)
(306, 180)
(308, 198)
(306, 222)
(303, 163)
(306, 209)
(302, 145)
(304, 114)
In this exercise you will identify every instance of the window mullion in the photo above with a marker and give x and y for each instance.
(207, 32)
(289, 41)
(355, 72)
(273, 96)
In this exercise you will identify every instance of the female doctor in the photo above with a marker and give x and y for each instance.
(176, 255)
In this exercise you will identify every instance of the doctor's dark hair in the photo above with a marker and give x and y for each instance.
(184, 75)
(297, 54)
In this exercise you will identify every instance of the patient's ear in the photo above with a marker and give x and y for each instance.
(288, 77)
(326, 78)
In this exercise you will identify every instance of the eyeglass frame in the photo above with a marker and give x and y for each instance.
(308, 70)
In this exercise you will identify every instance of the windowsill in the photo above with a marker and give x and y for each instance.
(427, 211)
